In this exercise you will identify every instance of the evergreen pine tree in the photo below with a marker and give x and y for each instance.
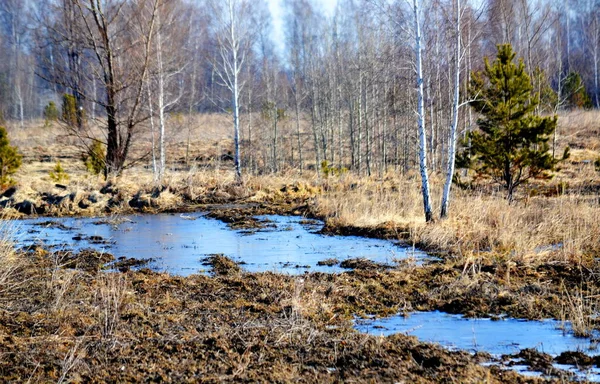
(58, 174)
(511, 145)
(10, 159)
(95, 158)
(575, 92)
(51, 112)
(69, 110)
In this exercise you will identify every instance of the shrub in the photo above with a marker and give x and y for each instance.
(59, 174)
(69, 110)
(51, 112)
(94, 158)
(329, 170)
(10, 159)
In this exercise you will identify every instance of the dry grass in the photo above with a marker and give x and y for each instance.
(111, 298)
(11, 263)
(536, 229)
(580, 310)
(370, 202)
(580, 130)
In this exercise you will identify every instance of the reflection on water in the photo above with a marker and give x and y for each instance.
(500, 337)
(178, 244)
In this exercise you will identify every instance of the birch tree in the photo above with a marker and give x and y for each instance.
(13, 16)
(234, 37)
(421, 114)
(168, 66)
(592, 35)
(454, 125)
(297, 84)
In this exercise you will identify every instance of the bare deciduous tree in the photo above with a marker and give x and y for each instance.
(421, 114)
(120, 65)
(234, 38)
(455, 106)
(165, 72)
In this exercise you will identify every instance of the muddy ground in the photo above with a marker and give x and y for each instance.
(83, 325)
(62, 318)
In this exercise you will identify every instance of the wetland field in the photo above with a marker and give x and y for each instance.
(291, 277)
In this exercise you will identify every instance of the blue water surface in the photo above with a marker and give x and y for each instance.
(178, 243)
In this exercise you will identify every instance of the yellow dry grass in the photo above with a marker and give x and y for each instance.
(580, 130)
(11, 263)
(532, 229)
(370, 202)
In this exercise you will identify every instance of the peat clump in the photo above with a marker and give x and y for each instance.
(88, 260)
(328, 262)
(124, 264)
(362, 263)
(222, 265)
(239, 219)
(389, 231)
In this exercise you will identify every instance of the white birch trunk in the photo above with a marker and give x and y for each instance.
(94, 93)
(161, 105)
(455, 107)
(235, 94)
(151, 109)
(251, 159)
(595, 46)
(596, 79)
(421, 117)
(298, 133)
(19, 95)
(190, 110)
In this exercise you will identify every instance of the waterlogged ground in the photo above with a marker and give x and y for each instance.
(239, 326)
(502, 338)
(65, 325)
(497, 337)
(179, 244)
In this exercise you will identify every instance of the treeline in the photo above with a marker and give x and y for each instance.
(333, 92)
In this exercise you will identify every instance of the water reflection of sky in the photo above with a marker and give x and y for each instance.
(500, 337)
(179, 244)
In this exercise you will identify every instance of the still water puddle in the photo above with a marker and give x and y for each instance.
(501, 337)
(178, 243)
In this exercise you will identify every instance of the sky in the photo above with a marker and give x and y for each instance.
(277, 12)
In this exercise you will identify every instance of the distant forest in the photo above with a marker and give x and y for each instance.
(337, 88)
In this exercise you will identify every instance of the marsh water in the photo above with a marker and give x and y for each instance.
(178, 243)
(497, 337)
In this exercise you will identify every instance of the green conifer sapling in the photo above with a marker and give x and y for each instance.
(10, 159)
(511, 144)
